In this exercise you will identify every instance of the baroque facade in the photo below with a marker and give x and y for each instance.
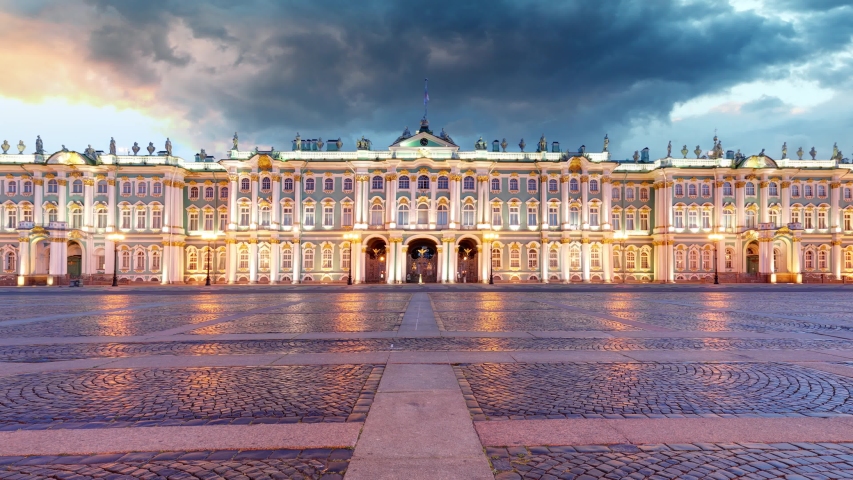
(422, 211)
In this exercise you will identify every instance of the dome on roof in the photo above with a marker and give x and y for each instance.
(64, 157)
(757, 161)
(264, 161)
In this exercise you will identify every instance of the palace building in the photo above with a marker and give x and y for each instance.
(422, 210)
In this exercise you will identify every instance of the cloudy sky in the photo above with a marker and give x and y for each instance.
(759, 72)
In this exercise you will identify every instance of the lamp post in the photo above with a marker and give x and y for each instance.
(115, 238)
(716, 237)
(209, 237)
(351, 237)
(621, 237)
(491, 237)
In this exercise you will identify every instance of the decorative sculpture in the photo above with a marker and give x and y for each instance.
(582, 149)
(738, 155)
(39, 145)
(504, 144)
(151, 148)
(834, 150)
(298, 141)
(543, 144)
(784, 150)
(813, 153)
(698, 151)
(112, 146)
(63, 148)
(761, 154)
(90, 152)
(669, 149)
(339, 144)
(135, 148)
(363, 144)
(234, 140)
(480, 145)
(168, 147)
(21, 146)
(636, 156)
(521, 144)
(202, 155)
(684, 151)
(800, 153)
(320, 144)
(606, 143)
(5, 147)
(407, 133)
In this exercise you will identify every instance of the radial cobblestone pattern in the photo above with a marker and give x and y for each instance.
(188, 396)
(530, 320)
(632, 390)
(306, 322)
(60, 352)
(799, 461)
(328, 464)
(108, 325)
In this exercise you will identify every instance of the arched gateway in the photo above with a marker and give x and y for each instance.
(374, 264)
(422, 261)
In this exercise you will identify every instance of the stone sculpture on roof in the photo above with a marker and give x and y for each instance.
(834, 150)
(21, 146)
(543, 144)
(684, 151)
(800, 153)
(521, 144)
(636, 156)
(234, 141)
(504, 144)
(112, 146)
(480, 145)
(168, 147)
(298, 141)
(5, 146)
(669, 149)
(606, 143)
(813, 153)
(39, 145)
(135, 148)
(698, 151)
(784, 150)
(151, 148)
(90, 152)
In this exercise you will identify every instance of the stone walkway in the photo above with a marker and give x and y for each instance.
(430, 382)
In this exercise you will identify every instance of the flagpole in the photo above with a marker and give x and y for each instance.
(426, 97)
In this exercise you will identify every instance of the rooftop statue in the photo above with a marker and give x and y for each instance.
(407, 133)
(151, 148)
(684, 151)
(298, 141)
(636, 156)
(90, 152)
(606, 143)
(784, 150)
(202, 155)
(135, 148)
(521, 144)
(504, 144)
(698, 151)
(813, 153)
(63, 148)
(834, 150)
(800, 153)
(112, 146)
(669, 149)
(320, 144)
(339, 144)
(39, 145)
(738, 155)
(480, 145)
(761, 154)
(21, 146)
(234, 141)
(5, 146)
(168, 147)
(543, 144)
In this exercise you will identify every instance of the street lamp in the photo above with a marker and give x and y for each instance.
(209, 237)
(115, 238)
(491, 237)
(351, 237)
(716, 237)
(621, 237)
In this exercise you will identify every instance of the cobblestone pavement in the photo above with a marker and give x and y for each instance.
(72, 351)
(306, 322)
(529, 320)
(636, 390)
(109, 325)
(799, 461)
(328, 464)
(187, 396)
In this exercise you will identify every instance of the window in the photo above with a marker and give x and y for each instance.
(727, 189)
(264, 260)
(376, 215)
(595, 257)
(496, 184)
(593, 216)
(193, 193)
(223, 193)
(244, 215)
(28, 187)
(679, 259)
(513, 216)
(616, 192)
(553, 216)
(532, 259)
(807, 191)
(644, 220)
(266, 184)
(514, 257)
(208, 219)
(100, 215)
(468, 215)
(821, 220)
(125, 219)
(193, 221)
(848, 220)
(126, 188)
(573, 185)
(376, 183)
(706, 219)
(848, 260)
(777, 259)
(11, 262)
(750, 189)
(822, 260)
(513, 184)
(728, 219)
(286, 259)
(27, 213)
(403, 182)
(644, 260)
(287, 184)
(11, 219)
(848, 194)
(141, 220)
(678, 215)
(346, 215)
(155, 261)
(328, 216)
(808, 260)
(443, 184)
(750, 219)
(617, 259)
(795, 216)
(287, 216)
(692, 219)
(308, 221)
(125, 260)
(140, 260)
(706, 260)
(679, 190)
(423, 214)
(101, 187)
(156, 189)
(496, 258)
(629, 194)
(402, 215)
(630, 260)
(706, 190)
(243, 259)
(821, 191)
(156, 219)
(329, 184)
(553, 259)
(223, 219)
(553, 186)
(76, 187)
(13, 187)
(795, 190)
(244, 184)
(52, 186)
(423, 182)
(593, 186)
(773, 189)
(308, 258)
(345, 258)
(76, 217)
(468, 183)
(309, 184)
(692, 191)
(574, 216)
(208, 193)
(575, 258)
(442, 215)
(347, 184)
(616, 220)
(729, 261)
(141, 189)
(644, 194)
(531, 185)
(497, 219)
(326, 258)
(808, 222)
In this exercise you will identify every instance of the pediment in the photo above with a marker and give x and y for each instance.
(423, 140)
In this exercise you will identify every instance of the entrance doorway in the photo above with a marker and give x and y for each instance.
(467, 271)
(374, 266)
(421, 262)
(752, 258)
(75, 260)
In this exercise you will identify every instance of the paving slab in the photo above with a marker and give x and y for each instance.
(839, 369)
(569, 356)
(193, 361)
(417, 378)
(419, 316)
(7, 369)
(687, 356)
(331, 358)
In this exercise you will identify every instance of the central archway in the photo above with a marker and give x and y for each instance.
(752, 259)
(74, 260)
(422, 261)
(468, 263)
(374, 265)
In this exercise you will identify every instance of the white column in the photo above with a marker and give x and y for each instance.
(357, 202)
(433, 207)
(439, 274)
(564, 260)
(391, 262)
(764, 201)
(795, 259)
(23, 258)
(253, 260)
(276, 202)
(297, 202)
(232, 200)
(254, 214)
(739, 204)
(355, 257)
(564, 199)
(38, 211)
(297, 259)
(484, 253)
(178, 205)
(585, 201)
(231, 245)
(834, 212)
(165, 260)
(390, 204)
(543, 203)
(836, 256)
(454, 201)
(413, 207)
(275, 260)
(607, 260)
(62, 201)
(88, 204)
(544, 258)
(585, 259)
(786, 202)
(606, 199)
(718, 205)
(402, 252)
(362, 273)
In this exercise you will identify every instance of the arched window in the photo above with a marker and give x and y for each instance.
(402, 215)
(376, 183)
(443, 183)
(347, 184)
(266, 184)
(777, 259)
(423, 182)
(28, 187)
(193, 193)
(595, 257)
(345, 258)
(553, 259)
(822, 263)
(616, 192)
(223, 193)
(100, 216)
(192, 260)
(243, 259)
(750, 219)
(532, 259)
(208, 193)
(155, 261)
(795, 190)
(309, 184)
(750, 189)
(125, 260)
(328, 184)
(691, 190)
(308, 258)
(644, 194)
(730, 259)
(497, 261)
(644, 260)
(630, 260)
(11, 262)
(140, 260)
(287, 184)
(531, 185)
(156, 188)
(264, 260)
(77, 186)
(468, 215)
(264, 211)
(773, 189)
(679, 190)
(808, 260)
(575, 257)
(468, 183)
(807, 191)
(629, 194)
(573, 185)
(141, 189)
(513, 184)
(706, 190)
(515, 257)
(76, 218)
(848, 260)
(821, 190)
(126, 188)
(496, 184)
(376, 215)
(326, 258)
(286, 259)
(441, 215)
(727, 189)
(553, 185)
(403, 182)
(574, 216)
(593, 185)
(848, 193)
(244, 184)
(423, 214)
(52, 186)
(706, 260)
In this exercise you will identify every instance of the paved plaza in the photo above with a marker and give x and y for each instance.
(427, 382)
